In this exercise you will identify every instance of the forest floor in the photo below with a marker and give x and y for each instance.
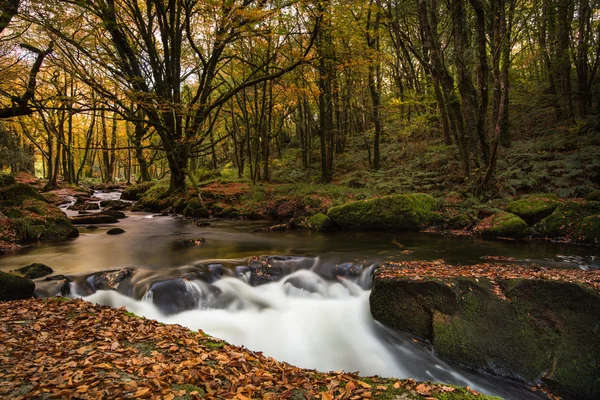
(75, 349)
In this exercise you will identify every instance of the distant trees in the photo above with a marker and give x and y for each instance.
(155, 88)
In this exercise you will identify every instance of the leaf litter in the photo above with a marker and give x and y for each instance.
(73, 349)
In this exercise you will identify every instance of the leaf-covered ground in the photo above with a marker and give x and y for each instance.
(59, 348)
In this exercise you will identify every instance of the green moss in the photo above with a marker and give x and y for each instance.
(594, 196)
(408, 212)
(213, 345)
(506, 225)
(144, 348)
(588, 230)
(189, 389)
(35, 270)
(534, 208)
(134, 192)
(319, 222)
(195, 209)
(562, 221)
(59, 229)
(18, 192)
(13, 287)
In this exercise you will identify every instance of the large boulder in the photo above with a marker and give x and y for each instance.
(534, 208)
(529, 329)
(570, 221)
(503, 225)
(6, 180)
(13, 287)
(59, 229)
(35, 270)
(401, 212)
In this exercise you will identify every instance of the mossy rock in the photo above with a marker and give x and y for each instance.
(534, 208)
(6, 180)
(35, 270)
(319, 222)
(195, 209)
(228, 212)
(13, 287)
(562, 221)
(594, 196)
(402, 212)
(505, 225)
(544, 331)
(134, 192)
(59, 229)
(18, 192)
(115, 204)
(113, 213)
(588, 230)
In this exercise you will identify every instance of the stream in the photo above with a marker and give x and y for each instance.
(314, 315)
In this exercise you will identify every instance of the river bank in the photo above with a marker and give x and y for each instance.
(88, 351)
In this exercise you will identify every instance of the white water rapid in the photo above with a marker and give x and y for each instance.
(307, 321)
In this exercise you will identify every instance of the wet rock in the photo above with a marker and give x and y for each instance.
(83, 204)
(13, 287)
(262, 271)
(93, 219)
(35, 270)
(118, 205)
(84, 213)
(190, 242)
(91, 227)
(108, 280)
(348, 270)
(51, 288)
(115, 231)
(588, 230)
(113, 213)
(177, 295)
(402, 212)
(202, 223)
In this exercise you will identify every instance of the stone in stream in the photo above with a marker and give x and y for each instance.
(529, 328)
(261, 270)
(190, 242)
(108, 280)
(115, 231)
(51, 288)
(84, 205)
(117, 205)
(13, 287)
(93, 219)
(113, 213)
(177, 295)
(35, 270)
(91, 227)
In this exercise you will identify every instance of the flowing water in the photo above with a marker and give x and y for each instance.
(314, 315)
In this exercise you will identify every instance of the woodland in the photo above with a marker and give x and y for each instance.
(392, 95)
(385, 186)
